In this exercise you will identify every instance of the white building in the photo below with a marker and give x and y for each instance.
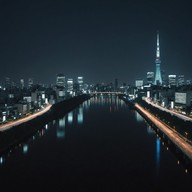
(172, 80)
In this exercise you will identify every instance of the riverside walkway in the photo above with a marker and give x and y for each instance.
(181, 142)
(24, 119)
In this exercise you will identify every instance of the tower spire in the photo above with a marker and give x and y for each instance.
(158, 78)
(158, 47)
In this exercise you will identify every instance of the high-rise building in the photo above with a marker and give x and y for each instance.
(188, 82)
(158, 77)
(181, 80)
(138, 83)
(30, 82)
(150, 77)
(172, 80)
(80, 83)
(22, 83)
(7, 82)
(70, 85)
(163, 76)
(60, 80)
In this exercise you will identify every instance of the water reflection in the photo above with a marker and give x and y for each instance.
(70, 117)
(161, 138)
(1, 160)
(139, 118)
(86, 104)
(158, 149)
(150, 130)
(112, 101)
(80, 115)
(106, 99)
(25, 148)
(98, 100)
(46, 126)
(61, 128)
(158, 146)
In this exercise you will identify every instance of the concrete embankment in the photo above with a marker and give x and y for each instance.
(17, 133)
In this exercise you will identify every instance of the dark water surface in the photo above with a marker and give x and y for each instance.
(100, 146)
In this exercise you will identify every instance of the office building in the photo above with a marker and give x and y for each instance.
(60, 80)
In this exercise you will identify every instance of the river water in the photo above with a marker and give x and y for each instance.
(100, 146)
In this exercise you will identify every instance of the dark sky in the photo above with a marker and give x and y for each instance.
(99, 40)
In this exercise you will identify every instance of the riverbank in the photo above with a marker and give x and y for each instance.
(173, 135)
(129, 102)
(15, 134)
(175, 139)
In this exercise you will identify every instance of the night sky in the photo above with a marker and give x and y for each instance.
(99, 40)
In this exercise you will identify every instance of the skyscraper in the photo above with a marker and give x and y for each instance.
(172, 80)
(150, 77)
(22, 84)
(60, 80)
(80, 83)
(30, 82)
(70, 85)
(7, 82)
(181, 80)
(158, 77)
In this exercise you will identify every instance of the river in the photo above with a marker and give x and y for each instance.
(100, 146)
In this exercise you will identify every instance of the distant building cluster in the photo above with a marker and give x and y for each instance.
(23, 98)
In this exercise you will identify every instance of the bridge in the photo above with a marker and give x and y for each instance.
(108, 93)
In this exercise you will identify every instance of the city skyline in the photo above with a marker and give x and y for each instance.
(99, 40)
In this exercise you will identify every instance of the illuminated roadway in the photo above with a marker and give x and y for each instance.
(167, 110)
(25, 119)
(180, 141)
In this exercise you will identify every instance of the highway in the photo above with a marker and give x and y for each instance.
(25, 119)
(184, 117)
(180, 141)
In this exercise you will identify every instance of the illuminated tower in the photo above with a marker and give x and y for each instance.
(158, 78)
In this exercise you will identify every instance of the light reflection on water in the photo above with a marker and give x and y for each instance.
(158, 151)
(150, 130)
(80, 115)
(70, 117)
(139, 118)
(61, 128)
(78, 118)
(24, 146)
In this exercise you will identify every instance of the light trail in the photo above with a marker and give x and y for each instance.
(25, 119)
(180, 141)
(169, 111)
